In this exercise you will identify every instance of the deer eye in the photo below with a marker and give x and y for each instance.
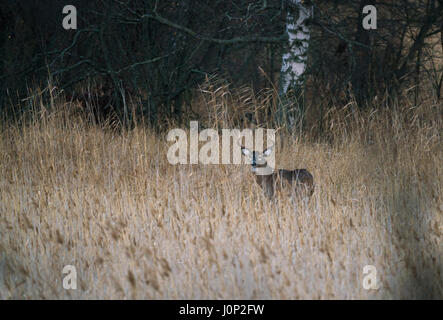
(267, 152)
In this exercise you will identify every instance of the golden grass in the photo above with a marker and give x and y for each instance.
(135, 226)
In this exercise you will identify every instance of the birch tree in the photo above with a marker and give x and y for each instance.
(294, 60)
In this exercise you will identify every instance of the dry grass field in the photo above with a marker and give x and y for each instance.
(136, 227)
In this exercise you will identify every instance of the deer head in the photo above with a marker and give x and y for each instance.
(258, 160)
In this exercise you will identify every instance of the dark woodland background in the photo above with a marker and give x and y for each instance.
(160, 53)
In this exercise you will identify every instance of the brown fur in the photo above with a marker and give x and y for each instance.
(300, 181)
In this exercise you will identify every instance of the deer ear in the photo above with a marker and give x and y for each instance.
(268, 151)
(245, 151)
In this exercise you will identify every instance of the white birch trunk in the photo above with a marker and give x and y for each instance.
(294, 61)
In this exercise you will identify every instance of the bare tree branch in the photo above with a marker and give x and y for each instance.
(194, 34)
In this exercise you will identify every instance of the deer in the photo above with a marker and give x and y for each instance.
(299, 181)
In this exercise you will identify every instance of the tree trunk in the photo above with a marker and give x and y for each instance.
(361, 59)
(291, 107)
(294, 60)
